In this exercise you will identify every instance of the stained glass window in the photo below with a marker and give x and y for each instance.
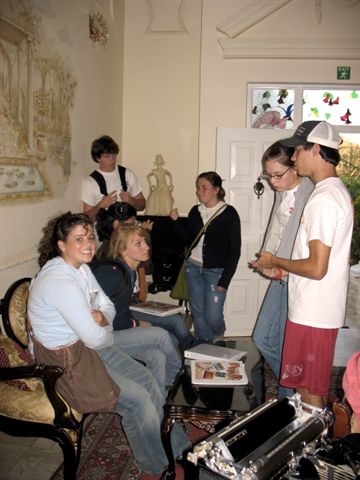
(338, 107)
(287, 105)
(272, 108)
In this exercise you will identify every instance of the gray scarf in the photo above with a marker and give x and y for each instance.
(288, 236)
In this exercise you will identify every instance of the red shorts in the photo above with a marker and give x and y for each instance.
(307, 358)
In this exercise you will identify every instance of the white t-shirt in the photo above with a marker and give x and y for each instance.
(328, 217)
(206, 213)
(286, 207)
(91, 191)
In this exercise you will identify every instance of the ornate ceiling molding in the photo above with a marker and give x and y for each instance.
(253, 12)
(292, 48)
(165, 18)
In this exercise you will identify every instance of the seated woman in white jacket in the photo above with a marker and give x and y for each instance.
(66, 304)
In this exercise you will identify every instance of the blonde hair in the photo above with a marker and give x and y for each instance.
(121, 236)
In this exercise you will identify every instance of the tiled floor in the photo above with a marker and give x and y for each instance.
(28, 458)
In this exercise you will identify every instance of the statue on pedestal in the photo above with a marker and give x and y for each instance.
(160, 200)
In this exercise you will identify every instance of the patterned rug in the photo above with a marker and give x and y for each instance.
(105, 453)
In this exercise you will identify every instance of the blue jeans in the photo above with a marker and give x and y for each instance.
(269, 330)
(206, 302)
(174, 324)
(153, 346)
(141, 408)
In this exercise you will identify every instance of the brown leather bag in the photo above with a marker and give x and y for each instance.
(85, 383)
(342, 417)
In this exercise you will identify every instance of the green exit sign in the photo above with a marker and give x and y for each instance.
(343, 73)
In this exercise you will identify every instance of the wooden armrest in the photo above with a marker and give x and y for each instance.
(37, 370)
(49, 375)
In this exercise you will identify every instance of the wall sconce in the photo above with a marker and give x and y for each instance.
(98, 29)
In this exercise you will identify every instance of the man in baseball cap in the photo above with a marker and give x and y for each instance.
(319, 267)
(314, 131)
(321, 133)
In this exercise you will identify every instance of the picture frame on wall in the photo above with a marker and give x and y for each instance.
(21, 178)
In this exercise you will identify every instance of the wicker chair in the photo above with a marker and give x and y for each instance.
(29, 402)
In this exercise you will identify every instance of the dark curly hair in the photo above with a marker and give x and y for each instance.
(120, 211)
(101, 145)
(58, 228)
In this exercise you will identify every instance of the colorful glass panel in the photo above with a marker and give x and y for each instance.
(338, 107)
(272, 108)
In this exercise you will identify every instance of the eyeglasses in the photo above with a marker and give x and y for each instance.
(276, 176)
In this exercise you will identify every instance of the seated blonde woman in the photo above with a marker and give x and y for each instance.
(129, 246)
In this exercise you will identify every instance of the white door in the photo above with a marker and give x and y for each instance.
(238, 162)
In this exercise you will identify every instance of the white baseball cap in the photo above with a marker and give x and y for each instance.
(314, 131)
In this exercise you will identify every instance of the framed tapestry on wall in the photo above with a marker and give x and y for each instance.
(21, 178)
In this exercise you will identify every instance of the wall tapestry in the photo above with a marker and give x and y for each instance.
(36, 95)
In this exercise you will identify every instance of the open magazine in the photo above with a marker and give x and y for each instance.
(156, 308)
(214, 373)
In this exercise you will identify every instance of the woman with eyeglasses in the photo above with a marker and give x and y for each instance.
(291, 195)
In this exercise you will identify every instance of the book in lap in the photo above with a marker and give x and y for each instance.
(221, 372)
(206, 351)
(156, 308)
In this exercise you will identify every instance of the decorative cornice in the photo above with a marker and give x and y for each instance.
(252, 12)
(172, 24)
(19, 259)
(291, 48)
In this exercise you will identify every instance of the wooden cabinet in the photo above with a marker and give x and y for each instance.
(166, 252)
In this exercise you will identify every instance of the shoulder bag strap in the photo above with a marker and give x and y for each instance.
(100, 180)
(203, 229)
(122, 171)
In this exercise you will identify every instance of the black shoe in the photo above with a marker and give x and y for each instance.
(186, 344)
(199, 341)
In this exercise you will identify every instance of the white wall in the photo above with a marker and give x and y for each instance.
(178, 87)
(161, 91)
